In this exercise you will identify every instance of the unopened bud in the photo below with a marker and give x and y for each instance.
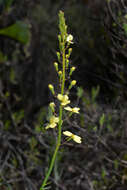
(56, 66)
(52, 106)
(59, 38)
(51, 88)
(58, 56)
(73, 82)
(69, 51)
(71, 70)
(67, 61)
(60, 73)
(67, 56)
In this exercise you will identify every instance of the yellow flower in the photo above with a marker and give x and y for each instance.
(64, 99)
(70, 39)
(52, 122)
(75, 138)
(74, 110)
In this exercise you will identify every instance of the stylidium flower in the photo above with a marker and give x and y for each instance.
(74, 110)
(70, 39)
(75, 138)
(64, 99)
(52, 122)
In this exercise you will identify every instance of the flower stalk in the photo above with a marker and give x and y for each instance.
(65, 40)
(61, 15)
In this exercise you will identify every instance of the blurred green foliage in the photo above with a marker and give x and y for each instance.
(18, 31)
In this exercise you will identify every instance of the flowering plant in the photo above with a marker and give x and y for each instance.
(64, 71)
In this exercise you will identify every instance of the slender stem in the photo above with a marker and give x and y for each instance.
(59, 128)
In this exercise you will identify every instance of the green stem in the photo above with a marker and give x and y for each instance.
(59, 129)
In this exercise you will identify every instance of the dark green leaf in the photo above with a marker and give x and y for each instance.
(18, 31)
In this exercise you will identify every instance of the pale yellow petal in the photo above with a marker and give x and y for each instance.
(56, 119)
(53, 122)
(53, 125)
(68, 108)
(67, 133)
(75, 110)
(52, 104)
(77, 139)
(47, 127)
(60, 97)
(66, 97)
(64, 103)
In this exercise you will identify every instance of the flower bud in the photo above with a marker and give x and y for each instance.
(52, 106)
(56, 66)
(59, 38)
(69, 51)
(58, 56)
(67, 61)
(67, 56)
(71, 70)
(73, 82)
(60, 73)
(51, 88)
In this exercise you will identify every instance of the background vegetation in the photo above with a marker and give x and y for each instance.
(28, 43)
